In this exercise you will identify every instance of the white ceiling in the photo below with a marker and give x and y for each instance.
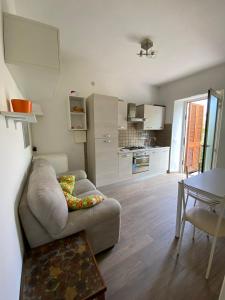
(189, 35)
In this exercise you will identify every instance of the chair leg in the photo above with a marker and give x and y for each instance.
(181, 237)
(195, 202)
(193, 234)
(211, 257)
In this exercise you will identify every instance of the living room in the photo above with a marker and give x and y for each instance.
(110, 85)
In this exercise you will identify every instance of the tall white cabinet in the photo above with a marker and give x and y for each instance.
(102, 139)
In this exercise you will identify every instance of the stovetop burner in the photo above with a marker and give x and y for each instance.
(134, 147)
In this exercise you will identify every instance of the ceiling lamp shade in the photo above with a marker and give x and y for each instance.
(147, 49)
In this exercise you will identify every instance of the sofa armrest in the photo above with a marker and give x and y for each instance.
(80, 174)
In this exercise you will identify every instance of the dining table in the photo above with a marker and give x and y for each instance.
(210, 184)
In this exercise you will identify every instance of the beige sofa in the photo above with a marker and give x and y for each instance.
(44, 214)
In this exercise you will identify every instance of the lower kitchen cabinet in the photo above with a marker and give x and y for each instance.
(125, 165)
(159, 160)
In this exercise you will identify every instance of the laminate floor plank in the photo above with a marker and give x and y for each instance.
(143, 265)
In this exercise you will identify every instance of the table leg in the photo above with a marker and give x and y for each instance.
(179, 210)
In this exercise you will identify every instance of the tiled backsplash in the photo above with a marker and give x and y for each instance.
(163, 137)
(134, 136)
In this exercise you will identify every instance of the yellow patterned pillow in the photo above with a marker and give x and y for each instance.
(67, 183)
(75, 203)
(67, 178)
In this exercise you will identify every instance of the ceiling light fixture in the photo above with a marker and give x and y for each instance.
(147, 49)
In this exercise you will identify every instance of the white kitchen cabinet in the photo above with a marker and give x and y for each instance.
(77, 113)
(125, 165)
(159, 160)
(154, 116)
(30, 42)
(122, 115)
(102, 139)
(164, 160)
(106, 161)
(105, 117)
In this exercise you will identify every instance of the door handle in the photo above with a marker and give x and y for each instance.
(107, 141)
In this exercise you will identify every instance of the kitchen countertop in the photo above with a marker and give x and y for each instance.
(120, 150)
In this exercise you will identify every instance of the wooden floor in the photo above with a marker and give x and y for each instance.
(143, 264)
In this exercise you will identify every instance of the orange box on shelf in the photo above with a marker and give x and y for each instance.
(22, 105)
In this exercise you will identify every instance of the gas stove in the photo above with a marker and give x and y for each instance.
(133, 147)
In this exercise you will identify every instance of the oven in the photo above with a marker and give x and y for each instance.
(140, 162)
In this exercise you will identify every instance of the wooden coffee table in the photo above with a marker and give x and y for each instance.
(63, 269)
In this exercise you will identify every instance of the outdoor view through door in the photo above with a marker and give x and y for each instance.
(201, 118)
(196, 116)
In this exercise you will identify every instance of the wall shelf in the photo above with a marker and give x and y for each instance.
(18, 117)
(77, 113)
(77, 119)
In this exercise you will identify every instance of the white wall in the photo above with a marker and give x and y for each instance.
(194, 85)
(50, 89)
(14, 161)
(176, 140)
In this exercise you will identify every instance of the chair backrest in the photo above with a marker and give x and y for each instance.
(203, 198)
(188, 173)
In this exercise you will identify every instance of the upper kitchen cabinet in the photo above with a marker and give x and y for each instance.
(122, 115)
(30, 42)
(154, 116)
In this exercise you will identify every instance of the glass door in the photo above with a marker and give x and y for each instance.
(210, 130)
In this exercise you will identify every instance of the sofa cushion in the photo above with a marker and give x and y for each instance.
(83, 186)
(84, 219)
(40, 162)
(79, 174)
(67, 183)
(46, 199)
(92, 192)
(75, 203)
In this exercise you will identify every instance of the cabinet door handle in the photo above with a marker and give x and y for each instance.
(107, 135)
(107, 141)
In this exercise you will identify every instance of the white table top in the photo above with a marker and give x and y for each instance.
(212, 182)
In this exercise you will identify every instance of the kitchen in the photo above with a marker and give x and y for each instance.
(125, 140)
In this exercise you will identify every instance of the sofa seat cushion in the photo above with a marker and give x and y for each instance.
(83, 186)
(88, 218)
(46, 200)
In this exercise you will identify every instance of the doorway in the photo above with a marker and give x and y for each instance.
(200, 123)
(195, 123)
